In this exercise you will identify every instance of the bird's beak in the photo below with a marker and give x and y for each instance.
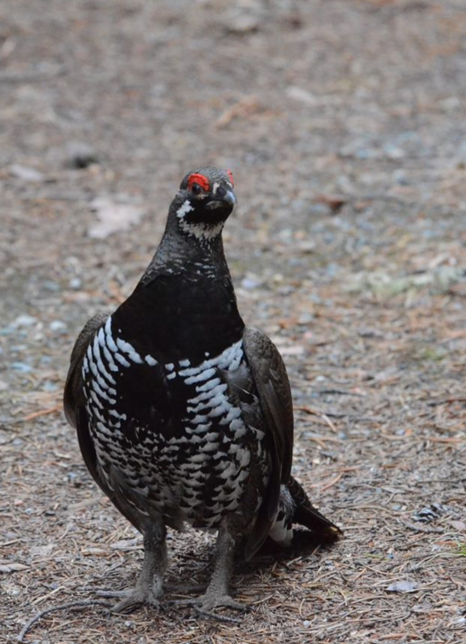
(223, 198)
(230, 198)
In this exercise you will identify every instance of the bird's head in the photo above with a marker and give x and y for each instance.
(204, 202)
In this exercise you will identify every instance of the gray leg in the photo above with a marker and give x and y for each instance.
(216, 594)
(217, 590)
(149, 587)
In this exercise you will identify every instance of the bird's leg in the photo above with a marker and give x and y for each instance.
(217, 590)
(148, 589)
(217, 595)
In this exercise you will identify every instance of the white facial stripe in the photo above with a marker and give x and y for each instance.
(184, 209)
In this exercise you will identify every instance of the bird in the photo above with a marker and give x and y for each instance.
(184, 414)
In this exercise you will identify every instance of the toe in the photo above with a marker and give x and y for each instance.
(135, 599)
(113, 593)
(210, 603)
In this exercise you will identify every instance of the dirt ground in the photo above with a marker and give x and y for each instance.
(344, 124)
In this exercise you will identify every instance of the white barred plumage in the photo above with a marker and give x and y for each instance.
(212, 422)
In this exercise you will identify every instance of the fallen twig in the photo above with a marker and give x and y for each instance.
(42, 412)
(330, 483)
(70, 605)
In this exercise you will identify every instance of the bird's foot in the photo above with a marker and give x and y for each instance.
(209, 602)
(132, 598)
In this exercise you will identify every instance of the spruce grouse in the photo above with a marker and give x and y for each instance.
(183, 414)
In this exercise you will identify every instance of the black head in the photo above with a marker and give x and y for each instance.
(204, 202)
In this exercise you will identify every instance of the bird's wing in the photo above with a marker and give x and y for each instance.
(273, 388)
(76, 414)
(146, 403)
(73, 398)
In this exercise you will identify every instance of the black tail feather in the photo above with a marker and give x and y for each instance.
(306, 514)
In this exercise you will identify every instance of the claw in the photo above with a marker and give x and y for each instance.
(135, 598)
(206, 604)
(148, 589)
(131, 598)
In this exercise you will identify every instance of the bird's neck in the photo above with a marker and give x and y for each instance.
(185, 303)
(185, 255)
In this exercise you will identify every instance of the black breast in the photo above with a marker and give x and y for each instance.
(184, 316)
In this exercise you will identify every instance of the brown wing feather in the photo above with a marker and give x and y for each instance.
(271, 380)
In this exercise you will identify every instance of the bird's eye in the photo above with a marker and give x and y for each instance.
(197, 183)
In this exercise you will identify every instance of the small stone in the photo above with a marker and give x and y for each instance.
(75, 283)
(52, 286)
(26, 173)
(400, 177)
(305, 318)
(403, 587)
(113, 216)
(80, 155)
(21, 367)
(24, 320)
(302, 95)
(451, 103)
(241, 22)
(49, 385)
(393, 152)
(58, 326)
(249, 283)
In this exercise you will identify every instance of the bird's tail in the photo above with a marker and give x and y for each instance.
(294, 507)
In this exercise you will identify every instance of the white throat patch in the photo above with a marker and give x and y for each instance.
(201, 230)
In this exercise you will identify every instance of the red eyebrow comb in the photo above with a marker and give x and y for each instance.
(199, 179)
